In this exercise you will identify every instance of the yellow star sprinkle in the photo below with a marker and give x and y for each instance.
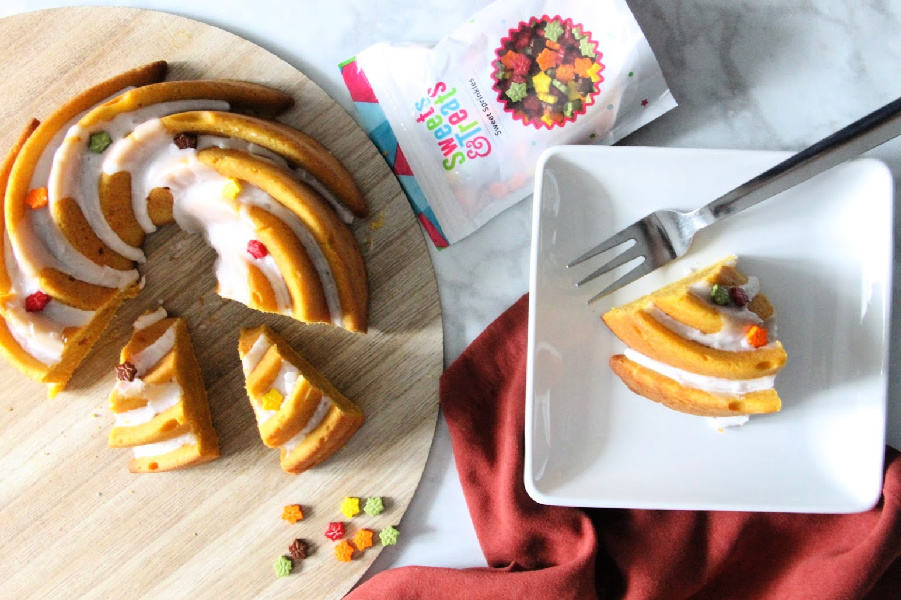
(272, 400)
(593, 72)
(350, 507)
(541, 82)
(547, 119)
(231, 189)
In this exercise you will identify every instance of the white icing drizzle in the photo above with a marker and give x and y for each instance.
(75, 171)
(714, 385)
(152, 354)
(316, 419)
(160, 398)
(40, 334)
(164, 447)
(253, 357)
(149, 318)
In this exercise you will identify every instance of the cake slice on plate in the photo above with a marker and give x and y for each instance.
(298, 410)
(159, 400)
(702, 345)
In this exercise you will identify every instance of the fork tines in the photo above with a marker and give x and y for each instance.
(632, 252)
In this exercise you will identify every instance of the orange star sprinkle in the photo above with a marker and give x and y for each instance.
(547, 59)
(292, 513)
(344, 551)
(37, 198)
(363, 539)
(582, 65)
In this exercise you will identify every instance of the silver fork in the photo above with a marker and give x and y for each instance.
(666, 234)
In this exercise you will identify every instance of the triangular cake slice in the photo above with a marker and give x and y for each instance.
(159, 401)
(298, 410)
(703, 345)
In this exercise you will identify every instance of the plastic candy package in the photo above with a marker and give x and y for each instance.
(473, 113)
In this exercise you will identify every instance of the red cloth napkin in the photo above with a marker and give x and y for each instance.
(546, 552)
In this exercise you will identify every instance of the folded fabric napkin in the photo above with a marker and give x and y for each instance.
(548, 552)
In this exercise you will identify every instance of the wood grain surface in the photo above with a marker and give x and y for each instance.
(73, 522)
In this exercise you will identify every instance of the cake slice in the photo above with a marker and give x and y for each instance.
(702, 345)
(159, 400)
(298, 410)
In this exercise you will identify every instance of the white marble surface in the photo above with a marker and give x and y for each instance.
(751, 74)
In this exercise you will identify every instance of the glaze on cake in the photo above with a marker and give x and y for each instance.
(703, 345)
(85, 187)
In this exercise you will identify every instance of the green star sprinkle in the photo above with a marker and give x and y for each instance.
(283, 566)
(585, 47)
(374, 506)
(99, 141)
(516, 91)
(388, 536)
(719, 295)
(553, 30)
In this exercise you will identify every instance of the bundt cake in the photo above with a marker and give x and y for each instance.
(703, 345)
(159, 401)
(298, 410)
(83, 188)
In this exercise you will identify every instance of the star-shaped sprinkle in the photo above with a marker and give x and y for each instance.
(350, 507)
(283, 566)
(374, 506)
(299, 549)
(388, 536)
(272, 400)
(553, 30)
(292, 513)
(517, 91)
(363, 539)
(344, 551)
(335, 530)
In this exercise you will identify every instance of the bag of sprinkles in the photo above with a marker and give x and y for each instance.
(463, 123)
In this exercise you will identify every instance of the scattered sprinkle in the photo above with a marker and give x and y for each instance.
(231, 189)
(272, 400)
(257, 249)
(185, 140)
(388, 536)
(738, 295)
(719, 295)
(99, 141)
(36, 302)
(756, 336)
(350, 507)
(644, 102)
(378, 222)
(335, 530)
(344, 551)
(283, 566)
(37, 198)
(299, 549)
(126, 371)
(374, 506)
(363, 539)
(292, 513)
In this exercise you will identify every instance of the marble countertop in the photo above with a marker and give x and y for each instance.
(748, 74)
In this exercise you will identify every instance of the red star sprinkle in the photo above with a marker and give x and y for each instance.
(644, 102)
(36, 301)
(335, 530)
(257, 249)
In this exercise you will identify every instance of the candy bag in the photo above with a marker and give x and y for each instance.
(473, 113)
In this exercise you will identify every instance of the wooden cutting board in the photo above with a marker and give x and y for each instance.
(73, 522)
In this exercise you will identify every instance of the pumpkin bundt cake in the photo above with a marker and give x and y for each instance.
(702, 345)
(82, 189)
(298, 410)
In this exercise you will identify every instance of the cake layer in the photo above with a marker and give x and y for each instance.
(671, 393)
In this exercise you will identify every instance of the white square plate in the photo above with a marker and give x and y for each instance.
(823, 253)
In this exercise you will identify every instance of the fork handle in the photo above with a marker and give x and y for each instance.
(868, 132)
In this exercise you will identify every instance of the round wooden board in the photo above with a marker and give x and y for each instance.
(75, 523)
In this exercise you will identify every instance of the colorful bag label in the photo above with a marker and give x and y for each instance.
(474, 112)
